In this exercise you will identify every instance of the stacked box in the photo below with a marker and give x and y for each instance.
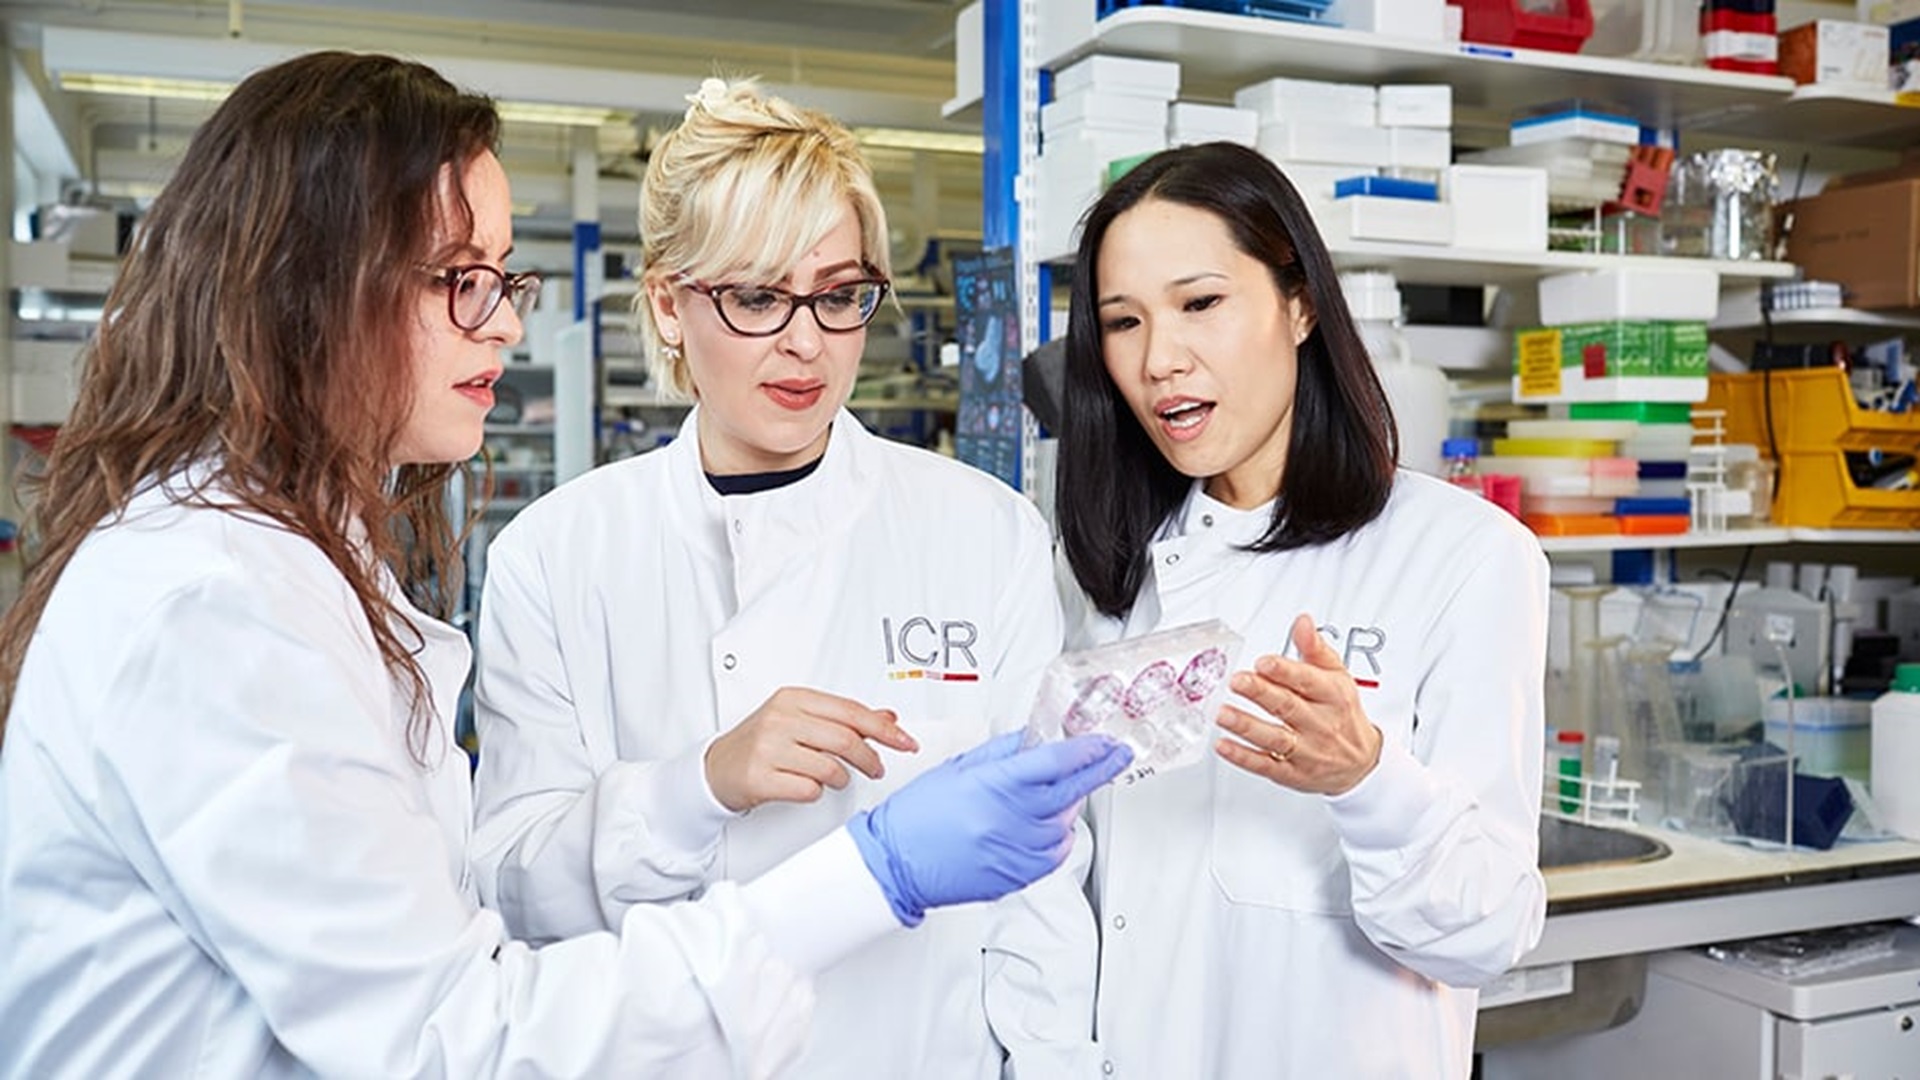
(1740, 35)
(1324, 133)
(1836, 52)
(1105, 109)
(1190, 122)
(1622, 360)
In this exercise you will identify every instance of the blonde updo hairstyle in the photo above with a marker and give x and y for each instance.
(740, 192)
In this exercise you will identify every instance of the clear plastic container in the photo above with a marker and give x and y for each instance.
(1809, 952)
(1751, 473)
(1157, 693)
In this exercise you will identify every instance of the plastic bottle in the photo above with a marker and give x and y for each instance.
(1463, 464)
(1572, 746)
(1895, 768)
(1420, 394)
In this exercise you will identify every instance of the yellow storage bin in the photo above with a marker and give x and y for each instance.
(1815, 424)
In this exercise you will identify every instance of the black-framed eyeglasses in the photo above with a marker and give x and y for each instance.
(474, 292)
(762, 310)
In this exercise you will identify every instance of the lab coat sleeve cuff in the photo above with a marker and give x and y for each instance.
(678, 806)
(1399, 801)
(820, 905)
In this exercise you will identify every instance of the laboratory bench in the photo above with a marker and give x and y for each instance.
(1708, 890)
(1617, 986)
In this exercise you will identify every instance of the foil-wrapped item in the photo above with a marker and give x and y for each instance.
(1720, 205)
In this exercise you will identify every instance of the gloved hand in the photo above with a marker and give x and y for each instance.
(984, 823)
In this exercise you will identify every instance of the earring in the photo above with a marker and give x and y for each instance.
(671, 351)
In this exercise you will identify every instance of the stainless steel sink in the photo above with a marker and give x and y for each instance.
(1566, 844)
(1608, 990)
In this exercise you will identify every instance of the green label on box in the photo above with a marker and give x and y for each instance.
(1685, 354)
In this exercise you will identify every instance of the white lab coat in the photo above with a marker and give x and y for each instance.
(1250, 931)
(634, 614)
(218, 858)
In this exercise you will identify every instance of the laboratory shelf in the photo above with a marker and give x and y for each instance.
(1430, 264)
(1437, 264)
(1748, 318)
(1809, 535)
(904, 404)
(617, 396)
(923, 301)
(964, 110)
(1825, 115)
(1219, 53)
(1731, 538)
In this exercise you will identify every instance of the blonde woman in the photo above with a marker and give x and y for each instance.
(233, 821)
(696, 662)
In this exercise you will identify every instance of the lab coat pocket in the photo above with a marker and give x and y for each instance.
(1272, 847)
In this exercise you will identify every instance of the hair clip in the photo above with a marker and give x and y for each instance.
(711, 94)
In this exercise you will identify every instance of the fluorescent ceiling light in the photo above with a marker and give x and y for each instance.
(950, 142)
(528, 112)
(201, 58)
(522, 112)
(145, 86)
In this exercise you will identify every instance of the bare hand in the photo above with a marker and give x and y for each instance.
(1319, 740)
(798, 744)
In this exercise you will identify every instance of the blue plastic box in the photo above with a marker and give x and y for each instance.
(1391, 187)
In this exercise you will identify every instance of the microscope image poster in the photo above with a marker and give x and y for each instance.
(987, 320)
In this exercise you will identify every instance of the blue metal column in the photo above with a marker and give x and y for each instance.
(1000, 123)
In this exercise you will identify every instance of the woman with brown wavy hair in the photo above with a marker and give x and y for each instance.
(233, 822)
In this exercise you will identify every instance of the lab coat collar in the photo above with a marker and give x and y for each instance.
(799, 518)
(1205, 519)
(1203, 538)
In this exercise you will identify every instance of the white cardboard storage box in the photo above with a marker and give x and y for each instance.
(1330, 144)
(1497, 207)
(1375, 217)
(1278, 100)
(1120, 74)
(1104, 110)
(1425, 105)
(1680, 294)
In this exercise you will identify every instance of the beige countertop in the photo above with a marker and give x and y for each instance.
(1714, 890)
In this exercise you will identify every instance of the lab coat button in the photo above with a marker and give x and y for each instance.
(1207, 520)
(1107, 1067)
(1119, 922)
(729, 661)
(739, 526)
(1173, 558)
